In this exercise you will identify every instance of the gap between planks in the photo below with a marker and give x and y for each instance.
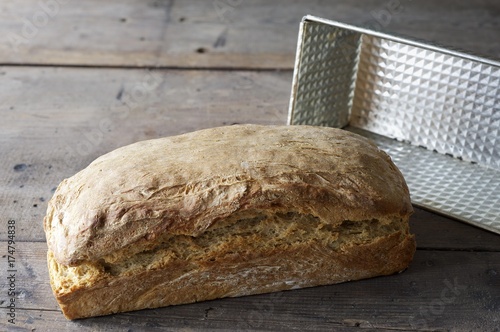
(145, 67)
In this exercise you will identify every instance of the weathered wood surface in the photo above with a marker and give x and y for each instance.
(61, 106)
(220, 33)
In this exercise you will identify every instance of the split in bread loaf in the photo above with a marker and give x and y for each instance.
(225, 212)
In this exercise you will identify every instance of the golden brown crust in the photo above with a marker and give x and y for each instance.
(184, 184)
(225, 212)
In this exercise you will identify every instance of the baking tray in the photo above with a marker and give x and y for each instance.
(435, 111)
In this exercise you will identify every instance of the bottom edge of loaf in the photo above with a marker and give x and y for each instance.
(303, 266)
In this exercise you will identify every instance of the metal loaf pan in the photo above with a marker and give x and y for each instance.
(434, 110)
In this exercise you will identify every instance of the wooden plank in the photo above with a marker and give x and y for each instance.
(433, 231)
(55, 121)
(219, 33)
(440, 290)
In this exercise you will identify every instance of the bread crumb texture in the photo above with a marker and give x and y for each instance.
(224, 212)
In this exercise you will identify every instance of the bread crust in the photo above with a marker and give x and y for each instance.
(225, 212)
(184, 184)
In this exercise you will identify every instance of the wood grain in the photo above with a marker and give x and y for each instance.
(434, 231)
(220, 33)
(434, 293)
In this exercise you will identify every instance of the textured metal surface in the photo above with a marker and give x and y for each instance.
(440, 101)
(328, 58)
(465, 191)
(443, 106)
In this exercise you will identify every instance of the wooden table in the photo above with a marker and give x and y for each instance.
(78, 79)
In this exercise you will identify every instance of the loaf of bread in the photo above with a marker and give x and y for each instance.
(225, 212)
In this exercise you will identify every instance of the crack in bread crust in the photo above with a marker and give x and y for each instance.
(174, 276)
(240, 239)
(236, 236)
